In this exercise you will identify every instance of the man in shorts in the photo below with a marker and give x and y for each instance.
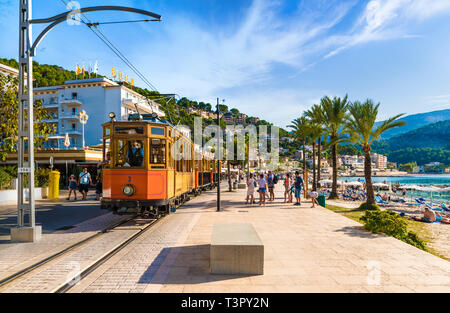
(298, 185)
(271, 185)
(84, 181)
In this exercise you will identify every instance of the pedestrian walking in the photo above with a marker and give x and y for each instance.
(262, 185)
(251, 184)
(287, 183)
(298, 185)
(84, 181)
(271, 185)
(72, 187)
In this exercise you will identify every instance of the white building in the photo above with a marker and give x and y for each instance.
(98, 97)
(10, 71)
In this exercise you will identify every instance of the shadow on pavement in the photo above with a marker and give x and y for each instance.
(55, 216)
(190, 266)
(357, 231)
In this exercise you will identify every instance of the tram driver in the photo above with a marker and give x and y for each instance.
(135, 154)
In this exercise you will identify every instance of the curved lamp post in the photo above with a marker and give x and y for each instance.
(27, 49)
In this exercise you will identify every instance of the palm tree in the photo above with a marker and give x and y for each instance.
(334, 118)
(360, 126)
(301, 130)
(315, 115)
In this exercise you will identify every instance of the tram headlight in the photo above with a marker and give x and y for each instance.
(128, 190)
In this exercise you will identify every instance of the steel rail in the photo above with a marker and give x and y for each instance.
(30, 268)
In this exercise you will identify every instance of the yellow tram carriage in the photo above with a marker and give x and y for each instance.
(142, 175)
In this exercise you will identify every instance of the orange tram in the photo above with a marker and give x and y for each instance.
(141, 176)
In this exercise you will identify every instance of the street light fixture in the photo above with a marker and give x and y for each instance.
(83, 118)
(27, 49)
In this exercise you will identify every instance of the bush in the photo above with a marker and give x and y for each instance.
(41, 177)
(5, 178)
(370, 207)
(392, 224)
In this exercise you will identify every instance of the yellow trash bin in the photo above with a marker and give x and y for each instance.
(53, 185)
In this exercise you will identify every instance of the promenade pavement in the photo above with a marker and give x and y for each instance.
(306, 250)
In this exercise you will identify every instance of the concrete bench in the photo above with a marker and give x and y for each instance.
(236, 249)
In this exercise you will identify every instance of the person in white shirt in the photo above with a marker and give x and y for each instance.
(250, 189)
(262, 185)
(314, 195)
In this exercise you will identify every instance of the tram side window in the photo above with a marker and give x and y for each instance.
(170, 155)
(158, 151)
(130, 153)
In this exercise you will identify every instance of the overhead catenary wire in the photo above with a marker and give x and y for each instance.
(85, 20)
(93, 27)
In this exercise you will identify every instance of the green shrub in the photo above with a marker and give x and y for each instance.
(5, 179)
(392, 224)
(41, 177)
(371, 207)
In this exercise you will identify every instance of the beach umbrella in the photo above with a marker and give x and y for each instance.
(380, 185)
(353, 183)
(408, 187)
(325, 181)
(67, 141)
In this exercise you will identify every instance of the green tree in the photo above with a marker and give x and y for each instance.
(360, 126)
(9, 115)
(334, 118)
(315, 115)
(301, 131)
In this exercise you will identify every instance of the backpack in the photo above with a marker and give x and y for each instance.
(275, 179)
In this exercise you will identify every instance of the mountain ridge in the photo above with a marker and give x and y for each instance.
(415, 121)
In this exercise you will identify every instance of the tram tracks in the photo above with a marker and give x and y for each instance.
(54, 257)
(69, 285)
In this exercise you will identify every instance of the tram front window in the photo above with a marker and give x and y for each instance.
(130, 153)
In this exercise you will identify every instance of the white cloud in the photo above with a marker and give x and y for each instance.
(388, 19)
(198, 62)
(241, 63)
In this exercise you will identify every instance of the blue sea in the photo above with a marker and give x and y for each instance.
(437, 179)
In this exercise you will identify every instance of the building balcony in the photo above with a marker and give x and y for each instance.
(72, 102)
(70, 117)
(51, 105)
(73, 132)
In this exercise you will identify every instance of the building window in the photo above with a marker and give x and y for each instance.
(74, 95)
(73, 126)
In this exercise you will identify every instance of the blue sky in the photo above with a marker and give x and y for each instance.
(271, 59)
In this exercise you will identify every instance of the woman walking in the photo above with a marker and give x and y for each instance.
(250, 189)
(262, 184)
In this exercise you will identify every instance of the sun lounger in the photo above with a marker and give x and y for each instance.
(380, 201)
(444, 207)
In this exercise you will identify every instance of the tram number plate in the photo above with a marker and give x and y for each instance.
(22, 170)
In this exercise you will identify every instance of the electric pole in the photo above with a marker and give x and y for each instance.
(218, 156)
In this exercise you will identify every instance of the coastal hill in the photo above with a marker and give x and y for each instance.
(416, 121)
(436, 135)
(424, 145)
